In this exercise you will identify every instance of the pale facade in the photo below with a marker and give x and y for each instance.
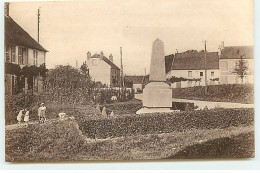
(103, 70)
(230, 56)
(99, 70)
(212, 76)
(227, 75)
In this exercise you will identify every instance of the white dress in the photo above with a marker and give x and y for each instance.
(26, 117)
(19, 116)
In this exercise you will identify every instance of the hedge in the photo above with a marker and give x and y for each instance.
(165, 122)
(238, 93)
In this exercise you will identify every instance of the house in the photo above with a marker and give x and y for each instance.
(103, 69)
(230, 57)
(188, 69)
(136, 81)
(21, 49)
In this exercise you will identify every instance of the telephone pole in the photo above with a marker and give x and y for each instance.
(38, 15)
(122, 72)
(205, 63)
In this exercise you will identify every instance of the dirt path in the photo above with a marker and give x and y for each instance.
(209, 104)
(23, 125)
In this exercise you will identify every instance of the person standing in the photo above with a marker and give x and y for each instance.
(26, 117)
(19, 117)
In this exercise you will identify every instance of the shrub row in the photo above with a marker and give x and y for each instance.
(165, 122)
(238, 93)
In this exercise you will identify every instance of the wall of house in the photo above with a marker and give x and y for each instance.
(9, 83)
(115, 75)
(99, 70)
(41, 56)
(193, 74)
(227, 75)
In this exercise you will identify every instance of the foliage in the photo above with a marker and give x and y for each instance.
(241, 66)
(104, 95)
(128, 107)
(165, 122)
(179, 79)
(11, 68)
(238, 93)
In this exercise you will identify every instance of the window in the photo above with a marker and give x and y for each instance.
(201, 73)
(7, 53)
(13, 53)
(189, 73)
(94, 62)
(25, 56)
(20, 58)
(35, 58)
(212, 73)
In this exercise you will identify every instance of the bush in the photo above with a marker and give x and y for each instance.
(165, 122)
(129, 107)
(238, 93)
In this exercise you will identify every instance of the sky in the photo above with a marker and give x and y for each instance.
(69, 29)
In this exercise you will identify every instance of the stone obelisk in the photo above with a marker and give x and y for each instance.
(157, 95)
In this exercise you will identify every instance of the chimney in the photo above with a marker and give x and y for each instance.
(7, 8)
(88, 55)
(111, 57)
(101, 55)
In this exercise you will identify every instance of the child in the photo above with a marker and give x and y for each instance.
(26, 117)
(19, 117)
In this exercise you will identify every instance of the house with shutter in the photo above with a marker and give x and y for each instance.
(103, 69)
(229, 60)
(21, 49)
(188, 69)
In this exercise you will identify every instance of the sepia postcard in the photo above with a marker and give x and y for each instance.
(114, 80)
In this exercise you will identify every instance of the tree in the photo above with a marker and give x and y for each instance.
(241, 67)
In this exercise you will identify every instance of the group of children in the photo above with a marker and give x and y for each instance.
(41, 114)
(20, 117)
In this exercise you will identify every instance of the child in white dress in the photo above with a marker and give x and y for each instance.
(19, 117)
(26, 117)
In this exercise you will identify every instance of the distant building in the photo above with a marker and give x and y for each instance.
(103, 69)
(138, 82)
(189, 67)
(229, 57)
(20, 48)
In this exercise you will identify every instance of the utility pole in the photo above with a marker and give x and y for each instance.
(122, 72)
(205, 61)
(38, 15)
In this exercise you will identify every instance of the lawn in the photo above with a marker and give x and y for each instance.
(125, 138)
(236, 93)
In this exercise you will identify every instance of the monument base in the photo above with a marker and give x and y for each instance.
(157, 95)
(154, 110)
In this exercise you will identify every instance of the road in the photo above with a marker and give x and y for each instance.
(209, 104)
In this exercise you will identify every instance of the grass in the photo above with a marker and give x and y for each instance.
(63, 141)
(69, 141)
(237, 93)
(240, 146)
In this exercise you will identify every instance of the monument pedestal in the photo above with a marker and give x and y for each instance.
(157, 97)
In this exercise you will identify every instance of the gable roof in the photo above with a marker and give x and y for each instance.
(195, 61)
(234, 52)
(112, 65)
(15, 34)
(168, 62)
